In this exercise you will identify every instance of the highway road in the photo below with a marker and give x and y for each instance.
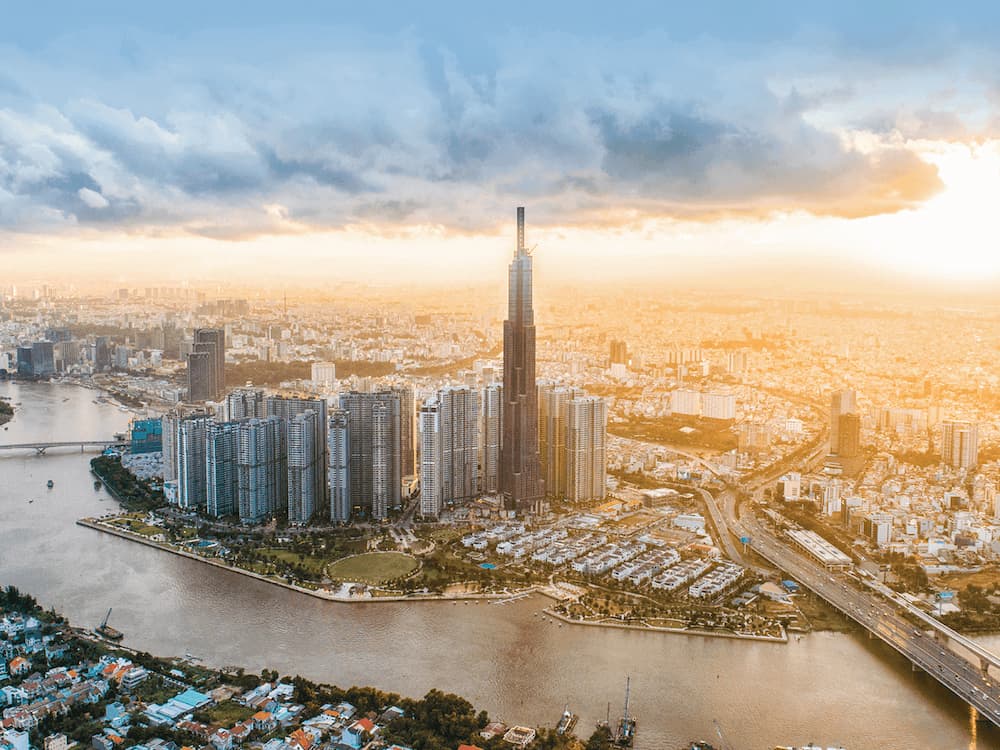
(883, 619)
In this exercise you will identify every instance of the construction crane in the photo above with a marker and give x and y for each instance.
(106, 631)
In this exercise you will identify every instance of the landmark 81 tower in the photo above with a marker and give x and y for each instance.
(520, 472)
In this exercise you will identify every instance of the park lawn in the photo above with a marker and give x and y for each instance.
(226, 713)
(373, 567)
(311, 563)
(136, 526)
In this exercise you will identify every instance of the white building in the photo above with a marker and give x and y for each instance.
(324, 374)
(718, 405)
(686, 401)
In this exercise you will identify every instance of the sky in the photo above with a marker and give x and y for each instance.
(394, 140)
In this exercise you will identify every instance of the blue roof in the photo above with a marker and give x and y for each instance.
(192, 698)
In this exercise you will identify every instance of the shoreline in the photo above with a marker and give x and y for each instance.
(323, 594)
(498, 598)
(673, 631)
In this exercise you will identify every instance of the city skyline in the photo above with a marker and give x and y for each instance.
(288, 381)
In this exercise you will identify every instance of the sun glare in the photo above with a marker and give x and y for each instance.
(955, 233)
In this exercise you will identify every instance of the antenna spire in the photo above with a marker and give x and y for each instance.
(520, 230)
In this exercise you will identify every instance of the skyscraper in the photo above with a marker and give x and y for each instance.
(429, 421)
(261, 470)
(841, 402)
(492, 429)
(374, 443)
(200, 383)
(520, 473)
(340, 460)
(552, 415)
(245, 403)
(287, 409)
(206, 365)
(407, 440)
(586, 464)
(306, 466)
(192, 435)
(170, 422)
(221, 451)
(960, 444)
(449, 442)
(618, 354)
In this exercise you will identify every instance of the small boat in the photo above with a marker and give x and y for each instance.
(50, 484)
(30, 502)
(625, 734)
(567, 721)
(106, 631)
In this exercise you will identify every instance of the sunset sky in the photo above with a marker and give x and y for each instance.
(394, 140)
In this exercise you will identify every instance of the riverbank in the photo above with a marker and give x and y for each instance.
(338, 597)
(325, 594)
(783, 638)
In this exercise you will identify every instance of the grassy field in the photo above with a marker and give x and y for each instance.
(136, 526)
(314, 565)
(225, 714)
(373, 567)
(987, 578)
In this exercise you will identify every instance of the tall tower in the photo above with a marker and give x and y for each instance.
(520, 473)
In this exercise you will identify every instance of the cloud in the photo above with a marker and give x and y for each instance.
(207, 134)
(92, 198)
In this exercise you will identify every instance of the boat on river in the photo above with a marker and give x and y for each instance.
(567, 721)
(106, 631)
(625, 733)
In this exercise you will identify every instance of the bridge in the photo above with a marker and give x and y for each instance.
(40, 448)
(884, 614)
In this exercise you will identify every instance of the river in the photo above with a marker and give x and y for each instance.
(826, 688)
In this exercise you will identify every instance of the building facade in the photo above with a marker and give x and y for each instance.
(520, 469)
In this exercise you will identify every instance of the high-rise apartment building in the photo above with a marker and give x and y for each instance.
(552, 414)
(429, 425)
(586, 460)
(170, 422)
(245, 403)
(102, 353)
(449, 442)
(492, 432)
(261, 468)
(407, 436)
(192, 436)
(306, 466)
(221, 451)
(841, 402)
(199, 373)
(960, 444)
(207, 365)
(618, 354)
(287, 409)
(338, 440)
(686, 401)
(375, 451)
(324, 374)
(520, 472)
(849, 435)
